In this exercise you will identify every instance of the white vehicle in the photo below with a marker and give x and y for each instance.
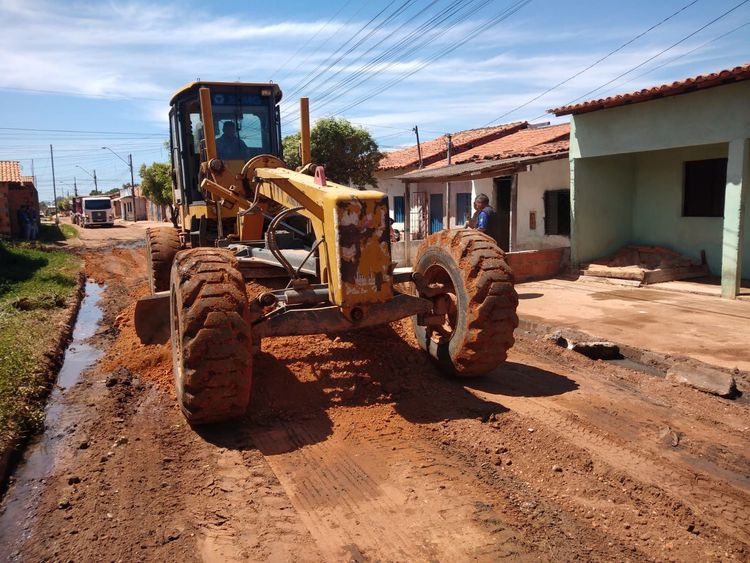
(94, 211)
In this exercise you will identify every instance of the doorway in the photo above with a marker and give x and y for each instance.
(503, 188)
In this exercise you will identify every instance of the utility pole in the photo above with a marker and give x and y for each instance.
(132, 179)
(54, 188)
(96, 186)
(447, 205)
(132, 189)
(75, 187)
(419, 147)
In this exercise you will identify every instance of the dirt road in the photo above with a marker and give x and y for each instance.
(356, 448)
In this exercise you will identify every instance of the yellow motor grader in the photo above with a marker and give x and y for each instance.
(243, 215)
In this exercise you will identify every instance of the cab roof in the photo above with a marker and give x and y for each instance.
(194, 86)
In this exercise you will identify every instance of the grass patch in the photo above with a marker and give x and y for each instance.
(56, 233)
(36, 286)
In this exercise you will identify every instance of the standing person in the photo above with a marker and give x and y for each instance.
(24, 222)
(33, 223)
(486, 218)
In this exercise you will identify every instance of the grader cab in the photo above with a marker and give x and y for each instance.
(244, 215)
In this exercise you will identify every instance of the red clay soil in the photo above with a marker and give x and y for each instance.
(357, 448)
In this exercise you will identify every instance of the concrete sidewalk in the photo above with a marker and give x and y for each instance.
(712, 330)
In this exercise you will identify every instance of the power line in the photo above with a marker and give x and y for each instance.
(423, 35)
(324, 42)
(685, 54)
(361, 69)
(76, 131)
(79, 94)
(306, 43)
(316, 73)
(648, 60)
(423, 32)
(505, 14)
(592, 65)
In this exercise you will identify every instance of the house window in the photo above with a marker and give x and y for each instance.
(557, 212)
(463, 208)
(398, 208)
(705, 184)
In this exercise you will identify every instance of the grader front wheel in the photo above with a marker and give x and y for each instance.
(162, 243)
(466, 276)
(211, 339)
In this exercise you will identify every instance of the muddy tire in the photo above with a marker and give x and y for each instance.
(211, 339)
(162, 243)
(481, 301)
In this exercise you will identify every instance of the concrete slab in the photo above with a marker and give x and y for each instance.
(702, 378)
(712, 330)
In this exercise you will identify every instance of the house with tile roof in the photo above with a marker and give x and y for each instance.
(427, 153)
(667, 166)
(522, 168)
(15, 190)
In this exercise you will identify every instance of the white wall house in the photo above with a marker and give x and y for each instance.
(524, 172)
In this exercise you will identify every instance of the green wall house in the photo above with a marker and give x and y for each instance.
(666, 166)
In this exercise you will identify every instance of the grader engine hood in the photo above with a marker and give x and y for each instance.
(363, 250)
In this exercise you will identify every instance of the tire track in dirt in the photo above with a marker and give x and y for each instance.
(719, 503)
(384, 498)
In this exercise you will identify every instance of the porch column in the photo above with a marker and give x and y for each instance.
(574, 227)
(738, 180)
(447, 206)
(513, 239)
(407, 223)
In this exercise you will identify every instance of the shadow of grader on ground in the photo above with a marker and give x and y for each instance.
(298, 380)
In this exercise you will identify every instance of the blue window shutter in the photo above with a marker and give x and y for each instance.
(398, 208)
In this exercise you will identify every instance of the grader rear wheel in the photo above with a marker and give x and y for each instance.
(162, 243)
(211, 339)
(477, 303)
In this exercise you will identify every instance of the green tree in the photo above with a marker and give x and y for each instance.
(63, 203)
(349, 153)
(290, 151)
(156, 185)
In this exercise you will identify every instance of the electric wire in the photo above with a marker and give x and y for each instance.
(395, 53)
(425, 31)
(592, 65)
(651, 58)
(321, 68)
(502, 16)
(311, 39)
(681, 56)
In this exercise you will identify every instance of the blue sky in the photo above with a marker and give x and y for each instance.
(103, 72)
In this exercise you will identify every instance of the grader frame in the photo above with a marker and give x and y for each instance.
(462, 299)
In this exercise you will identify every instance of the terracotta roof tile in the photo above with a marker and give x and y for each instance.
(701, 81)
(10, 171)
(436, 149)
(27, 179)
(532, 141)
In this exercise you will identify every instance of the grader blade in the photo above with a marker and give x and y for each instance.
(152, 317)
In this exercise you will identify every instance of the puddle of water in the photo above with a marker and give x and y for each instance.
(38, 461)
(79, 354)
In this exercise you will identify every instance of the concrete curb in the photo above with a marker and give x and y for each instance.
(655, 363)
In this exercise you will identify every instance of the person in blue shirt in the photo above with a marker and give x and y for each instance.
(486, 218)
